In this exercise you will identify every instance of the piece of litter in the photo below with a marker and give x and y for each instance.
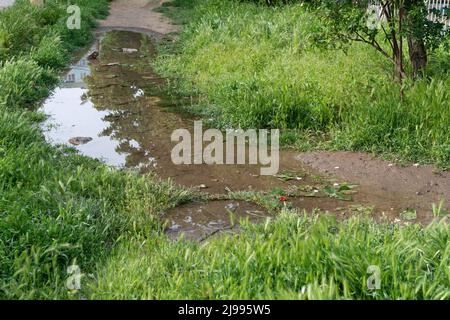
(112, 64)
(129, 50)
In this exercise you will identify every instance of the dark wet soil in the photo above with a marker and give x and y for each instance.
(115, 100)
(391, 188)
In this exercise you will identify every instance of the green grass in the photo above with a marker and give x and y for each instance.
(57, 209)
(258, 66)
(292, 257)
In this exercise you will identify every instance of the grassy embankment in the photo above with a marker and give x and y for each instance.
(56, 208)
(59, 208)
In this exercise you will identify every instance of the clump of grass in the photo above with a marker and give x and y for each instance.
(292, 257)
(24, 82)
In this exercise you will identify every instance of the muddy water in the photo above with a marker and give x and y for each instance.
(201, 221)
(114, 101)
(110, 108)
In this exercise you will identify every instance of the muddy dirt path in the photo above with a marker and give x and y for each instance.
(113, 106)
(138, 15)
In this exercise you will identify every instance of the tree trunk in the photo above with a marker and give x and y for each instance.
(417, 55)
(416, 46)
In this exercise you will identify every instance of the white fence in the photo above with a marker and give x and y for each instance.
(443, 6)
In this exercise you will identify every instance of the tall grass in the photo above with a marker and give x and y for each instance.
(295, 256)
(58, 208)
(259, 66)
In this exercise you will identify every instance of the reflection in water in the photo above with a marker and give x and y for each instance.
(105, 101)
(117, 105)
(75, 77)
(72, 116)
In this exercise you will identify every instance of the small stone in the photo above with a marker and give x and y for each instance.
(76, 141)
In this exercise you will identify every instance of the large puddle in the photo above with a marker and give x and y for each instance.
(109, 107)
(103, 106)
